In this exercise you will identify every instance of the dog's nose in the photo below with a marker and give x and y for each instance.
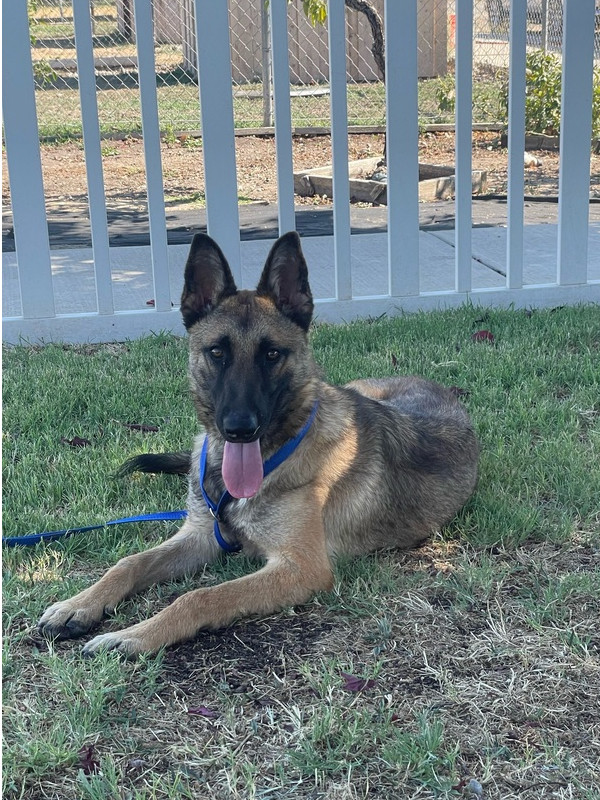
(240, 426)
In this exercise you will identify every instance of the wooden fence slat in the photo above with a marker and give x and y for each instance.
(218, 140)
(464, 115)
(25, 165)
(336, 19)
(402, 140)
(516, 143)
(86, 75)
(575, 137)
(152, 155)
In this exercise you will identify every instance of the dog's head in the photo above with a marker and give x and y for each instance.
(253, 377)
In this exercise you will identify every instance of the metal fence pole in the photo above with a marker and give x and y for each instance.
(545, 25)
(266, 65)
(283, 116)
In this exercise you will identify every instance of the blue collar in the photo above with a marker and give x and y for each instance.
(269, 465)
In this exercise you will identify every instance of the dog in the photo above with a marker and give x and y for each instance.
(290, 469)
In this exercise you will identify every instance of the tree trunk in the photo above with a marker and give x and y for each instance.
(374, 21)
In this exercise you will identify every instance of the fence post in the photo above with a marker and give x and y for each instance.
(93, 155)
(575, 141)
(516, 143)
(402, 147)
(144, 37)
(218, 137)
(283, 116)
(464, 116)
(336, 18)
(544, 25)
(266, 65)
(21, 139)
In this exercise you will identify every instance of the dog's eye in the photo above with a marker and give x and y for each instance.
(216, 353)
(273, 355)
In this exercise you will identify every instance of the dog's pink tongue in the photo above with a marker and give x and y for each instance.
(242, 468)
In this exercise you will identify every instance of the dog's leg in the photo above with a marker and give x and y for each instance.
(294, 571)
(184, 553)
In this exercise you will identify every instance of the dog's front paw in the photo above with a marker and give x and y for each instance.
(129, 642)
(69, 619)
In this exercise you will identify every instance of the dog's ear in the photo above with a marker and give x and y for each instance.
(207, 279)
(285, 280)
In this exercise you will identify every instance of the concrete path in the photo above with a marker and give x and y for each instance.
(74, 275)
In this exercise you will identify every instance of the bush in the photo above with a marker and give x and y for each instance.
(542, 98)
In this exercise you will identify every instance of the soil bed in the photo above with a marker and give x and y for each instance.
(124, 173)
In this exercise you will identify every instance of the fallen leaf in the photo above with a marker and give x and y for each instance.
(352, 683)
(76, 441)
(483, 336)
(87, 762)
(203, 711)
(153, 303)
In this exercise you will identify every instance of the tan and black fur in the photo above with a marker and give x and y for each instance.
(385, 463)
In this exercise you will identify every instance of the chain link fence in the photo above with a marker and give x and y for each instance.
(53, 47)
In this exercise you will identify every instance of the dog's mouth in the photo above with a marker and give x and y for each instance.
(242, 468)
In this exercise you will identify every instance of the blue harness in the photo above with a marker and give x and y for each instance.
(215, 509)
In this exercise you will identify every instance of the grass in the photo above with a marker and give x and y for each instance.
(59, 113)
(119, 107)
(119, 112)
(479, 652)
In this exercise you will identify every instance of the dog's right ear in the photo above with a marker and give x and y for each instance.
(207, 279)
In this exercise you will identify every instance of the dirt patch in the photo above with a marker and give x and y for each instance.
(183, 168)
(464, 647)
(238, 658)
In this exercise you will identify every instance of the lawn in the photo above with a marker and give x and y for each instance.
(58, 105)
(467, 668)
(119, 112)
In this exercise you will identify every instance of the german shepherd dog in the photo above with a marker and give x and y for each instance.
(374, 464)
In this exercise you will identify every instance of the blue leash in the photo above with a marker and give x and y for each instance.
(50, 536)
(215, 508)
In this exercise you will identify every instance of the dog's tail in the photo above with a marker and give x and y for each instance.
(172, 463)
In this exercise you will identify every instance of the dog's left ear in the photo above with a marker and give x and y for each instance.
(207, 279)
(285, 280)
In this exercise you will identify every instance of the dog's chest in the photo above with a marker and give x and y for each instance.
(244, 518)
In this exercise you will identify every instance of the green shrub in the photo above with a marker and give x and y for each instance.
(543, 94)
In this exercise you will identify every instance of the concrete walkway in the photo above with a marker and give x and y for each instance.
(73, 271)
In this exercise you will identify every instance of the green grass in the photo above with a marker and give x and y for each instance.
(59, 113)
(177, 94)
(481, 648)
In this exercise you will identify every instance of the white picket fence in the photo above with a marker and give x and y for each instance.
(39, 319)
